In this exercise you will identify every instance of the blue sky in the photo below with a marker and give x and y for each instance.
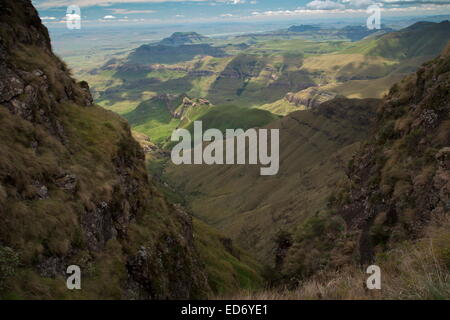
(180, 11)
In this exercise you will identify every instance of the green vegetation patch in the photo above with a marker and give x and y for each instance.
(227, 267)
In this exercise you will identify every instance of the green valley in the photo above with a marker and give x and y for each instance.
(356, 176)
(265, 71)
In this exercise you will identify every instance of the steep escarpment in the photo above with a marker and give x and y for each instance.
(397, 192)
(309, 98)
(74, 189)
(401, 178)
(33, 80)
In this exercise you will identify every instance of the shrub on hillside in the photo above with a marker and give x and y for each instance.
(9, 261)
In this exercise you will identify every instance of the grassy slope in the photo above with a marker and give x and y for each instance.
(230, 117)
(123, 92)
(153, 119)
(148, 54)
(251, 208)
(228, 268)
(353, 87)
(272, 66)
(420, 39)
(253, 79)
(37, 228)
(74, 190)
(281, 107)
(362, 89)
(393, 212)
(368, 68)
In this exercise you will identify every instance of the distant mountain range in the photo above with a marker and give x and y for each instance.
(182, 38)
(353, 33)
(303, 28)
(163, 53)
(275, 74)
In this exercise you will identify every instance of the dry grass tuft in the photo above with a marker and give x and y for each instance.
(419, 270)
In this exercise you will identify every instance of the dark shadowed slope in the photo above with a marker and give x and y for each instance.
(74, 189)
(315, 145)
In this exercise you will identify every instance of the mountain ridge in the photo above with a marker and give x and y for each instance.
(182, 38)
(74, 188)
(419, 39)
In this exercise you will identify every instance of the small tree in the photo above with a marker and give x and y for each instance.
(283, 241)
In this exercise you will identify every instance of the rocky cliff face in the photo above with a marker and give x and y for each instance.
(33, 80)
(401, 179)
(73, 186)
(187, 104)
(398, 181)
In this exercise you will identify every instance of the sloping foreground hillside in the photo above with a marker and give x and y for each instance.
(74, 189)
(388, 205)
(400, 179)
(394, 210)
(315, 146)
(420, 39)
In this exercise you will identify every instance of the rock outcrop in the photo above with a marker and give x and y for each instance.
(187, 104)
(310, 98)
(397, 182)
(401, 178)
(33, 80)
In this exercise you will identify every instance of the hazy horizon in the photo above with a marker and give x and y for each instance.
(172, 12)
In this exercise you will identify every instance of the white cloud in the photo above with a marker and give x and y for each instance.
(409, 2)
(226, 15)
(109, 17)
(324, 5)
(45, 4)
(126, 11)
(233, 2)
(67, 17)
(73, 16)
(322, 9)
(48, 18)
(359, 4)
(364, 4)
